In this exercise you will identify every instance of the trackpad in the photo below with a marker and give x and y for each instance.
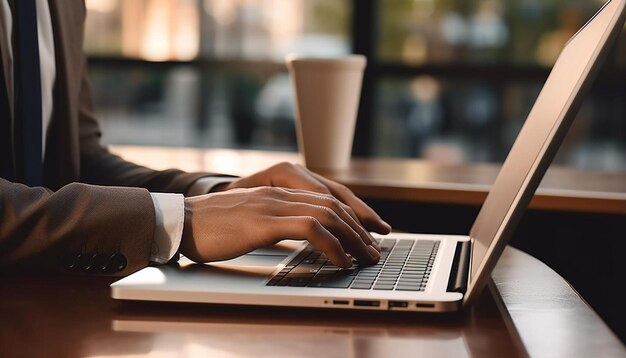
(267, 257)
(256, 260)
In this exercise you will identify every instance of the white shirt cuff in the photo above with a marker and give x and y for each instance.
(206, 184)
(169, 212)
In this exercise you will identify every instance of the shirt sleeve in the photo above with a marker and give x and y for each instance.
(169, 212)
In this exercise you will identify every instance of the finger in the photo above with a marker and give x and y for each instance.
(346, 214)
(366, 215)
(296, 177)
(310, 229)
(338, 206)
(350, 240)
(354, 216)
(277, 196)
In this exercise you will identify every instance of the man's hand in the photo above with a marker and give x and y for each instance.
(287, 175)
(225, 225)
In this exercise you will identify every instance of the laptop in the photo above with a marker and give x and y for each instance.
(416, 272)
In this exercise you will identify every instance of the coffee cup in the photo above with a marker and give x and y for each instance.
(327, 93)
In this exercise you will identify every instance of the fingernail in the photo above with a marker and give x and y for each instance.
(373, 252)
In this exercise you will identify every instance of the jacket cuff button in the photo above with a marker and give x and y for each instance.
(100, 262)
(69, 261)
(85, 261)
(117, 262)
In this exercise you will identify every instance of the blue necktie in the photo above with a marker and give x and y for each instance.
(6, 157)
(28, 91)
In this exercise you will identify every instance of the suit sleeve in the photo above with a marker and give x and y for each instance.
(99, 166)
(79, 228)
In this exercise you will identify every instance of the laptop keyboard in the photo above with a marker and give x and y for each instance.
(405, 265)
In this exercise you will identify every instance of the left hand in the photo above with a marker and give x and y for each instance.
(295, 176)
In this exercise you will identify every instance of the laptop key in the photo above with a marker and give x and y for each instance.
(274, 280)
(411, 277)
(388, 277)
(336, 282)
(367, 278)
(318, 279)
(310, 259)
(413, 272)
(410, 282)
(299, 282)
(307, 276)
(394, 266)
(296, 260)
(306, 268)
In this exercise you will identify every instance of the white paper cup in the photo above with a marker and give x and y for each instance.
(327, 92)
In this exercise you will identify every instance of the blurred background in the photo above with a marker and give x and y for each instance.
(448, 80)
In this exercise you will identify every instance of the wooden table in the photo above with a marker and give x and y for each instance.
(527, 310)
(563, 189)
(536, 313)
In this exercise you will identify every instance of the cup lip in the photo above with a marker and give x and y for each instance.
(353, 61)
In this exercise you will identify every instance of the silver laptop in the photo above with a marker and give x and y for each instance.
(416, 272)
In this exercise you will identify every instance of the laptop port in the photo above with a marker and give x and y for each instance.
(398, 304)
(424, 305)
(341, 302)
(365, 303)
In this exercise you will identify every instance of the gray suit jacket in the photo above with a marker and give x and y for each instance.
(95, 214)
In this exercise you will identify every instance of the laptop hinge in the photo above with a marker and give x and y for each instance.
(460, 267)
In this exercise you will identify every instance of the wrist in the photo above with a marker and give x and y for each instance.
(188, 245)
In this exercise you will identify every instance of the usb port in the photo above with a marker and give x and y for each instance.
(424, 305)
(398, 304)
(341, 302)
(366, 303)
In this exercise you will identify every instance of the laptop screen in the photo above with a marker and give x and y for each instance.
(540, 137)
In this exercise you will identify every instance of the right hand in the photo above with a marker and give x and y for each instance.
(226, 225)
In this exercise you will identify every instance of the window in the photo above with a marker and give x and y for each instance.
(448, 80)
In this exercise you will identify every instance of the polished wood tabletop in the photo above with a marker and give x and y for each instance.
(528, 310)
(563, 189)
